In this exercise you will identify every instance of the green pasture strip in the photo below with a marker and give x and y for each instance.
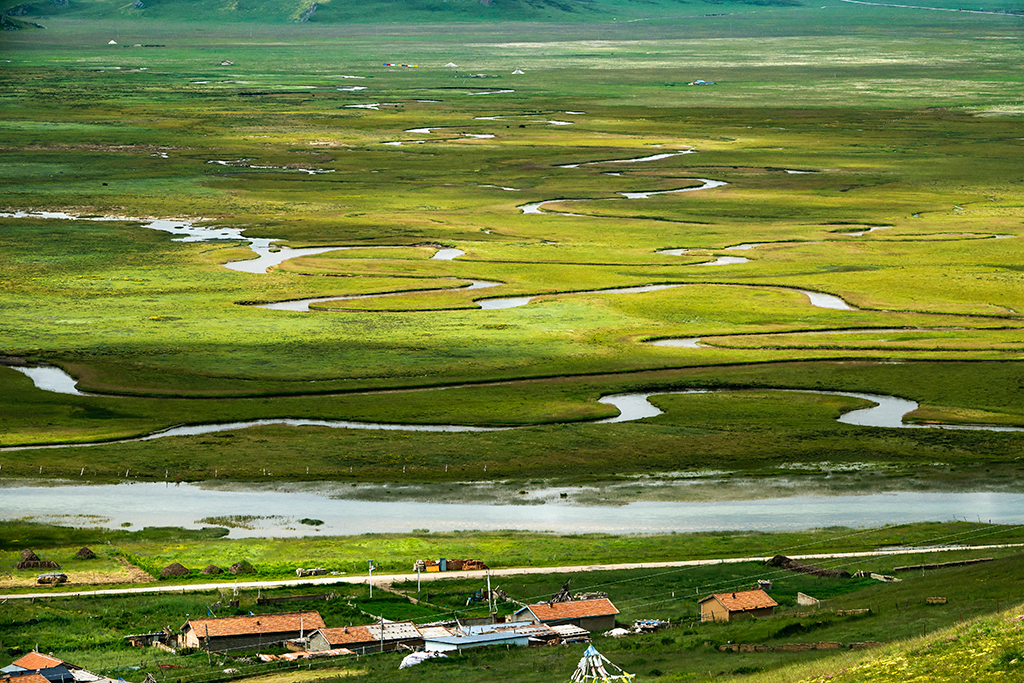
(155, 548)
(742, 430)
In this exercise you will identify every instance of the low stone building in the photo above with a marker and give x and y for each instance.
(729, 606)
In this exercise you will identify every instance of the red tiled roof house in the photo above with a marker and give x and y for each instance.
(248, 632)
(363, 639)
(592, 615)
(729, 606)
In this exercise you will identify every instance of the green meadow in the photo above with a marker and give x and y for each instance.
(872, 153)
(877, 165)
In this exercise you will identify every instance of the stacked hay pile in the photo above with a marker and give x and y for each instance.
(29, 560)
(85, 554)
(175, 569)
(212, 569)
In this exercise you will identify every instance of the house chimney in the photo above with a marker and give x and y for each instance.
(733, 595)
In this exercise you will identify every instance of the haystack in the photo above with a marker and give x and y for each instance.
(85, 554)
(212, 569)
(175, 569)
(29, 560)
(242, 567)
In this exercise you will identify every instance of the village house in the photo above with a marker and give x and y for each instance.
(592, 615)
(729, 606)
(248, 632)
(363, 639)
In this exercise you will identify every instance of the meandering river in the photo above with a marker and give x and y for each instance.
(888, 412)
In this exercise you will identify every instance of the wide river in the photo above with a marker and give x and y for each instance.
(276, 512)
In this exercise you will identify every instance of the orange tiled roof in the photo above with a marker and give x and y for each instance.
(575, 609)
(743, 601)
(34, 661)
(253, 625)
(347, 635)
(31, 678)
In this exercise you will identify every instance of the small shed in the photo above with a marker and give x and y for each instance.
(144, 639)
(729, 606)
(592, 615)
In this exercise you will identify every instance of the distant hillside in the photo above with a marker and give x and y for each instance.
(376, 11)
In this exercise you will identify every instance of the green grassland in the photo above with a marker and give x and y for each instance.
(900, 119)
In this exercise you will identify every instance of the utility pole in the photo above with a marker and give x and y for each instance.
(370, 563)
(489, 610)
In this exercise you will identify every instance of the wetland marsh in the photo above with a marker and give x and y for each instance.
(323, 284)
(553, 236)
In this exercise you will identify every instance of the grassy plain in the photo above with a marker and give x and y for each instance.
(902, 120)
(894, 131)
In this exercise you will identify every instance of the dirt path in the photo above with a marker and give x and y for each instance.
(135, 575)
(388, 579)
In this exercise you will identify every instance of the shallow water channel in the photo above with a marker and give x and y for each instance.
(888, 412)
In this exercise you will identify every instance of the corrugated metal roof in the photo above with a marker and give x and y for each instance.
(575, 609)
(254, 625)
(743, 601)
(397, 630)
(434, 631)
(477, 639)
(569, 630)
(526, 628)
